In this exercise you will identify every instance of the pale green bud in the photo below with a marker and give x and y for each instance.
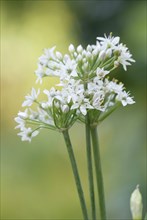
(136, 205)
(102, 55)
(79, 49)
(88, 55)
(95, 52)
(89, 48)
(59, 55)
(71, 48)
(65, 108)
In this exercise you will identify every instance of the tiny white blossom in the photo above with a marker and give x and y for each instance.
(68, 69)
(39, 73)
(98, 99)
(112, 86)
(21, 123)
(124, 98)
(101, 73)
(108, 42)
(31, 98)
(24, 114)
(125, 57)
(27, 134)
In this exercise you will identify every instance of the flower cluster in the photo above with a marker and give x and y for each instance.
(84, 86)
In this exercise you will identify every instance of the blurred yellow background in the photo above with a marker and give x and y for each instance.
(36, 177)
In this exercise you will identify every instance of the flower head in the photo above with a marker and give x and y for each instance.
(84, 86)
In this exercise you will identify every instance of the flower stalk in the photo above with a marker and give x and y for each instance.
(76, 174)
(90, 168)
(99, 175)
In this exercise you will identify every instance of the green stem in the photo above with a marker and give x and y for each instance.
(99, 176)
(76, 173)
(90, 169)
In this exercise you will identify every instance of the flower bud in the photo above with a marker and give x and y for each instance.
(85, 66)
(75, 54)
(84, 53)
(65, 108)
(59, 55)
(79, 58)
(89, 48)
(71, 48)
(102, 55)
(109, 52)
(95, 52)
(45, 105)
(79, 49)
(136, 204)
(116, 63)
(88, 55)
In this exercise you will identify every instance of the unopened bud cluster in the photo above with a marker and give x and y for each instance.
(136, 205)
(84, 86)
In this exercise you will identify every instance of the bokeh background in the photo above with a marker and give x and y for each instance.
(36, 177)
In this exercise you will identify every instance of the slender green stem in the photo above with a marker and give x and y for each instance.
(99, 176)
(90, 169)
(76, 173)
(89, 163)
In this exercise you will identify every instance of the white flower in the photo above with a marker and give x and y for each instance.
(39, 73)
(125, 57)
(108, 42)
(27, 134)
(82, 105)
(80, 101)
(101, 73)
(48, 54)
(23, 115)
(113, 86)
(51, 94)
(124, 98)
(21, 123)
(98, 99)
(31, 98)
(68, 69)
(136, 205)
(33, 114)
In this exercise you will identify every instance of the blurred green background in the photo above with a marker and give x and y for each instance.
(36, 177)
